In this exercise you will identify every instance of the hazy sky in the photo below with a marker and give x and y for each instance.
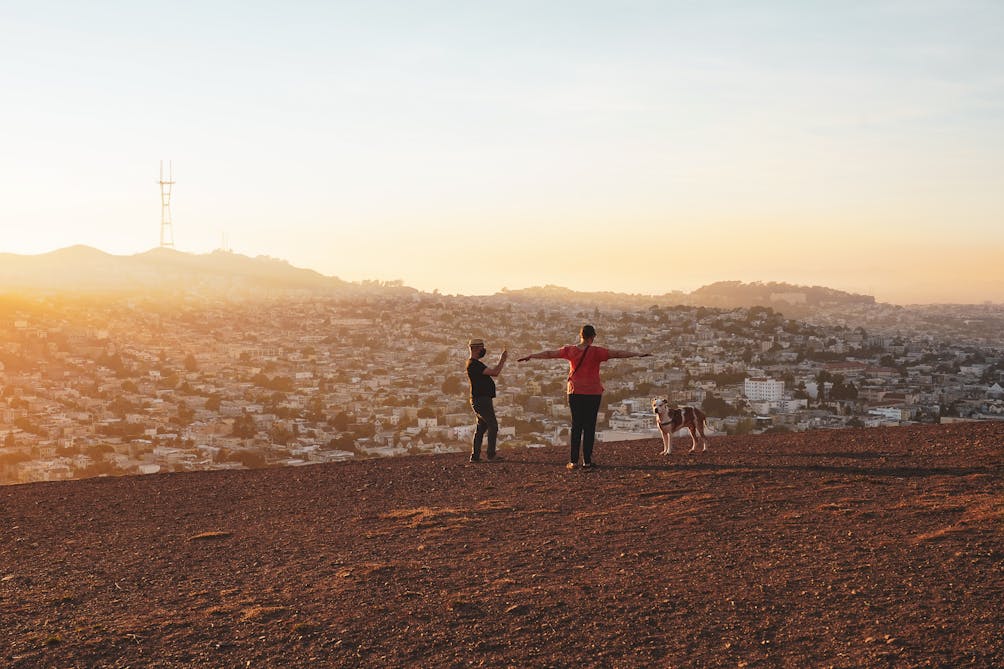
(469, 146)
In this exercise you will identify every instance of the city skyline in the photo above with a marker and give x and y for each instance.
(640, 148)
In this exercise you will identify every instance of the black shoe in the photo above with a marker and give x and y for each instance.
(475, 458)
(587, 465)
(495, 458)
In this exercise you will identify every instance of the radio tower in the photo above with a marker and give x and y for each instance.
(166, 230)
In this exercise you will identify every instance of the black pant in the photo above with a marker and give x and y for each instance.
(484, 409)
(584, 409)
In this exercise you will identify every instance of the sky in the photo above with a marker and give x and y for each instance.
(467, 146)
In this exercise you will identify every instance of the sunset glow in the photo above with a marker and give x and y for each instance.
(639, 147)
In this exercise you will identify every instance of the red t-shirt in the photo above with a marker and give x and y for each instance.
(586, 379)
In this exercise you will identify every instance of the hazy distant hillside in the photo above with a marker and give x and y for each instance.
(599, 298)
(722, 294)
(82, 269)
(85, 269)
(731, 294)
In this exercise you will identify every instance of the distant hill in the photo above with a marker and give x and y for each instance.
(559, 293)
(732, 294)
(82, 269)
(88, 270)
(722, 294)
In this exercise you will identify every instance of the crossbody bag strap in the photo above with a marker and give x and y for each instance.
(581, 358)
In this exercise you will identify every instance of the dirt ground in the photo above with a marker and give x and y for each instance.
(852, 548)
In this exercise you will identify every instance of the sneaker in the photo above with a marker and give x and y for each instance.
(571, 465)
(475, 458)
(495, 458)
(587, 465)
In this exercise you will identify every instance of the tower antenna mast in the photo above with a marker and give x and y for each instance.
(166, 227)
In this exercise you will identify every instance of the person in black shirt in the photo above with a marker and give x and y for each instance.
(482, 398)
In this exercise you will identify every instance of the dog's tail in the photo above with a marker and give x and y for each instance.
(705, 423)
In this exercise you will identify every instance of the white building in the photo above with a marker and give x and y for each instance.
(763, 388)
(892, 413)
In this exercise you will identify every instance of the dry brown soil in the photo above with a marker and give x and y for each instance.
(853, 548)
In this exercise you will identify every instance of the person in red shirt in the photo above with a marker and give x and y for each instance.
(585, 390)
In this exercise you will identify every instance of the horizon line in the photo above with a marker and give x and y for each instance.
(499, 291)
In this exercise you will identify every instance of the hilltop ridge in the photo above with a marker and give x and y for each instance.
(849, 548)
(83, 269)
(721, 294)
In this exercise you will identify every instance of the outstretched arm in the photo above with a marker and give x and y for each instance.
(541, 354)
(627, 354)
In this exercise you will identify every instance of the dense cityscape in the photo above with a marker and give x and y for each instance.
(109, 386)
